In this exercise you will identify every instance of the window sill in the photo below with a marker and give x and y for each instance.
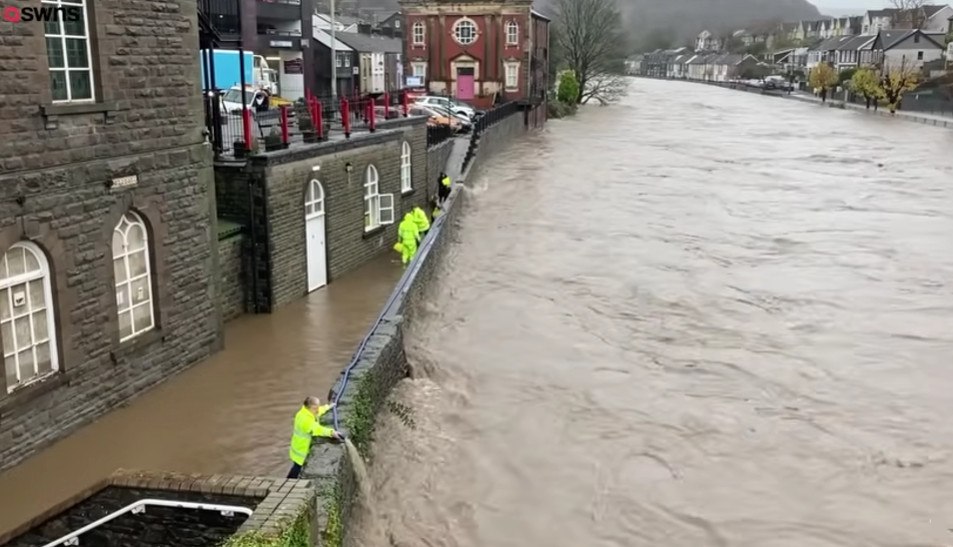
(405, 193)
(51, 112)
(374, 231)
(135, 346)
(10, 401)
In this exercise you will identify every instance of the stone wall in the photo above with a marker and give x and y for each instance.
(494, 139)
(380, 362)
(278, 506)
(58, 163)
(232, 268)
(437, 158)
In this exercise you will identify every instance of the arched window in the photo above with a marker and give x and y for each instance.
(26, 316)
(419, 34)
(314, 201)
(512, 33)
(133, 277)
(406, 183)
(378, 208)
(465, 32)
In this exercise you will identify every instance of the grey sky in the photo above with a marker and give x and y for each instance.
(842, 7)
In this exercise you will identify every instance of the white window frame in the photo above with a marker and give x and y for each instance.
(419, 33)
(419, 68)
(378, 208)
(511, 69)
(457, 26)
(406, 181)
(124, 300)
(512, 33)
(60, 6)
(314, 200)
(8, 325)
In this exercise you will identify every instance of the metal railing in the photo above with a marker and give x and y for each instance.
(140, 507)
(437, 134)
(480, 125)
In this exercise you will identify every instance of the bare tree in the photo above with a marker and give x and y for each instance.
(909, 12)
(589, 38)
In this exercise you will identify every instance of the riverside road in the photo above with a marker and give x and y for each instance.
(696, 318)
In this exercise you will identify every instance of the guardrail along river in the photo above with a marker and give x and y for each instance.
(695, 318)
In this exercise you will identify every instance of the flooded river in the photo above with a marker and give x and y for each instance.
(231, 414)
(697, 318)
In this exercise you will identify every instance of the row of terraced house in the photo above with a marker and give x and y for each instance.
(915, 38)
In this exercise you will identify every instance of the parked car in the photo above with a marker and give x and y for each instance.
(437, 118)
(446, 104)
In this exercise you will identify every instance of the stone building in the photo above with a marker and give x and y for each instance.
(106, 208)
(315, 212)
(474, 50)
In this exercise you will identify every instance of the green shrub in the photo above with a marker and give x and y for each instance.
(568, 89)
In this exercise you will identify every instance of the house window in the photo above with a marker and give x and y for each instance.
(406, 183)
(916, 38)
(465, 32)
(919, 55)
(512, 33)
(512, 75)
(26, 319)
(396, 23)
(68, 51)
(419, 69)
(133, 277)
(378, 208)
(419, 33)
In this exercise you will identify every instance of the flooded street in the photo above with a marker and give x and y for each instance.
(697, 318)
(232, 413)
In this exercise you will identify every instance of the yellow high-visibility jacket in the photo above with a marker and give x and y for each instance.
(307, 425)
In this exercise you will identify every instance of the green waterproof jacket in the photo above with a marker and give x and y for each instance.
(307, 426)
(420, 217)
(407, 231)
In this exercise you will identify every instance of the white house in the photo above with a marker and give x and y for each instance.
(937, 19)
(706, 41)
(878, 20)
(908, 48)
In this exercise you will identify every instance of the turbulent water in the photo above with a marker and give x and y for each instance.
(696, 318)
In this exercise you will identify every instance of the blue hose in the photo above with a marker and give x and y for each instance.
(400, 290)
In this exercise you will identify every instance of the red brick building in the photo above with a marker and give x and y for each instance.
(474, 50)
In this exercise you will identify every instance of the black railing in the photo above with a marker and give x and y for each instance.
(482, 122)
(437, 134)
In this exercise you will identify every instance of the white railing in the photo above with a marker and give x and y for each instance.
(140, 507)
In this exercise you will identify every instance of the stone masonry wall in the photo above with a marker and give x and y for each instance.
(56, 164)
(494, 139)
(231, 266)
(382, 363)
(348, 245)
(437, 158)
(276, 505)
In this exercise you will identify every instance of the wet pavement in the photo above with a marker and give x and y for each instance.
(229, 414)
(696, 318)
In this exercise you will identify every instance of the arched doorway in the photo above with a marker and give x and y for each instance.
(316, 249)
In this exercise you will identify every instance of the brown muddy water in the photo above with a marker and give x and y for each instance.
(229, 414)
(696, 318)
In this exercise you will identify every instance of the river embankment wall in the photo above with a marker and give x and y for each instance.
(922, 118)
(380, 361)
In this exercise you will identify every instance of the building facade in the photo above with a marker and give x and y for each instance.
(480, 52)
(106, 215)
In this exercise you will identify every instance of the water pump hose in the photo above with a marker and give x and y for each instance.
(400, 290)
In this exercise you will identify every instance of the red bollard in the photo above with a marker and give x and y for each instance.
(319, 119)
(386, 106)
(346, 118)
(246, 127)
(285, 134)
(371, 114)
(406, 102)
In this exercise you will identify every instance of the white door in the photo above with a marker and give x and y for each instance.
(314, 232)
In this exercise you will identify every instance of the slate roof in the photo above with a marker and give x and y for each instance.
(363, 43)
(856, 42)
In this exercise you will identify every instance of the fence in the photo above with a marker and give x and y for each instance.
(235, 132)
(436, 134)
(488, 118)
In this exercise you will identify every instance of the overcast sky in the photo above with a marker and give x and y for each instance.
(856, 7)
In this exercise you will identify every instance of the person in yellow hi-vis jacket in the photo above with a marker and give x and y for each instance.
(407, 237)
(307, 425)
(444, 187)
(423, 222)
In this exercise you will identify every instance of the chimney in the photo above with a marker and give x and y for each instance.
(364, 28)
